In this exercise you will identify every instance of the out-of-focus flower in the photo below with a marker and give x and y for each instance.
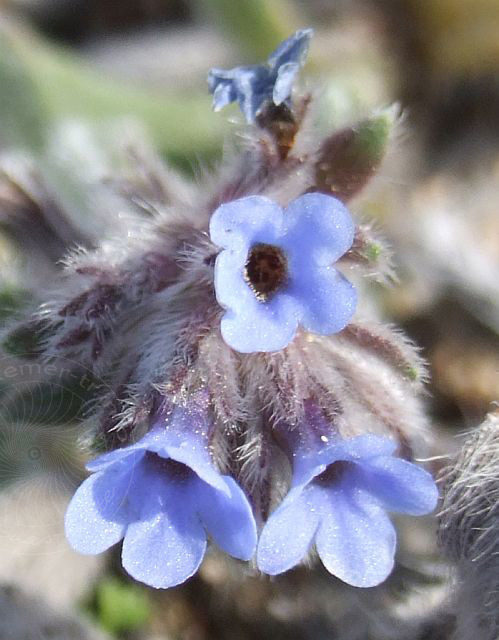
(338, 498)
(163, 496)
(275, 271)
(257, 85)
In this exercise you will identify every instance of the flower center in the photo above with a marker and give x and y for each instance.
(334, 472)
(176, 471)
(266, 270)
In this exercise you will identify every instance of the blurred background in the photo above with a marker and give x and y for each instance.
(71, 72)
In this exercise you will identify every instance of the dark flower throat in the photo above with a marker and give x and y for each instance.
(266, 270)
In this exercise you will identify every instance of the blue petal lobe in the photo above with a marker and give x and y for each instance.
(355, 540)
(293, 49)
(217, 77)
(228, 519)
(328, 300)
(284, 82)
(246, 221)
(261, 326)
(223, 95)
(323, 225)
(98, 513)
(253, 86)
(288, 533)
(166, 546)
(401, 486)
(232, 291)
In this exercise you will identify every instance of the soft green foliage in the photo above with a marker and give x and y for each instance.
(23, 341)
(256, 26)
(412, 373)
(121, 606)
(373, 252)
(372, 136)
(21, 112)
(11, 301)
(350, 157)
(43, 79)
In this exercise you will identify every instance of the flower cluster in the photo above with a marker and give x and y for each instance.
(164, 496)
(232, 368)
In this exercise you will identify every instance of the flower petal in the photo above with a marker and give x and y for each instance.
(321, 224)
(228, 519)
(268, 326)
(124, 457)
(355, 540)
(308, 463)
(164, 550)
(231, 289)
(367, 446)
(293, 49)
(166, 546)
(184, 436)
(328, 300)
(249, 85)
(223, 95)
(403, 487)
(253, 86)
(219, 76)
(246, 221)
(251, 325)
(284, 82)
(288, 533)
(98, 514)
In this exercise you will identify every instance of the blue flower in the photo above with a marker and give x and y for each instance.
(338, 499)
(163, 496)
(276, 273)
(256, 85)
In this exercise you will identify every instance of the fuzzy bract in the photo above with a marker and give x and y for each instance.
(311, 234)
(338, 500)
(255, 86)
(163, 496)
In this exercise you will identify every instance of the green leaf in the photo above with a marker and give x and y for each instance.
(22, 116)
(256, 26)
(12, 300)
(182, 125)
(122, 606)
(25, 340)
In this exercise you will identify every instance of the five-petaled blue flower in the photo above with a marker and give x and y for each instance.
(163, 496)
(338, 499)
(275, 271)
(257, 85)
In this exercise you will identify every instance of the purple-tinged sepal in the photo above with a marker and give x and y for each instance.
(349, 158)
